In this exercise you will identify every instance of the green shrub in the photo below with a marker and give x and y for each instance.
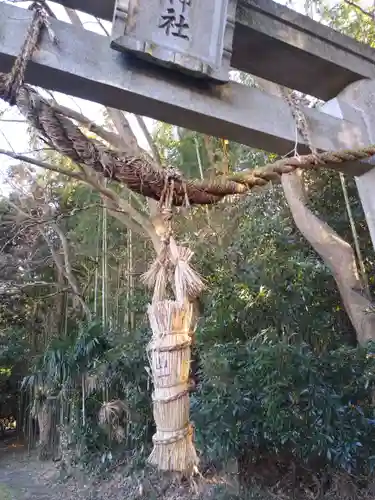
(269, 397)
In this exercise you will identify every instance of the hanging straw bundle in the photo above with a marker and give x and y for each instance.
(169, 352)
(169, 348)
(188, 283)
(157, 276)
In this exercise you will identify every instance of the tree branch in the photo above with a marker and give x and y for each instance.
(361, 9)
(151, 143)
(141, 223)
(107, 135)
(336, 253)
(64, 268)
(12, 288)
(128, 138)
(42, 164)
(68, 271)
(89, 177)
(122, 217)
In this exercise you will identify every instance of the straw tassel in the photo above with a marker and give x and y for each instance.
(188, 283)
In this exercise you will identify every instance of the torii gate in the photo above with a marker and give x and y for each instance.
(309, 57)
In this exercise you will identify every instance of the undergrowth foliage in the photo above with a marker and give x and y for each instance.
(266, 397)
(280, 375)
(85, 378)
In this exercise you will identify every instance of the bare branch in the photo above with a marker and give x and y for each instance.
(123, 217)
(10, 120)
(151, 143)
(89, 177)
(42, 164)
(58, 292)
(335, 252)
(67, 268)
(142, 224)
(10, 288)
(99, 21)
(128, 138)
(371, 15)
(17, 208)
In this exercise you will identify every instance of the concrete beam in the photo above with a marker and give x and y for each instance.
(83, 65)
(103, 9)
(280, 45)
(283, 46)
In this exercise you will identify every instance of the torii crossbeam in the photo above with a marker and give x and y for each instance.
(83, 65)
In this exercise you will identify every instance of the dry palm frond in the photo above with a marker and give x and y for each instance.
(112, 409)
(92, 383)
(119, 434)
(111, 414)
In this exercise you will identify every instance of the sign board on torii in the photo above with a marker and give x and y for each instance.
(189, 35)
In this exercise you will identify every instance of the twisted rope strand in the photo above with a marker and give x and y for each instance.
(16, 77)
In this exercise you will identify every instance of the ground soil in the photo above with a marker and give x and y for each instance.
(24, 477)
(21, 475)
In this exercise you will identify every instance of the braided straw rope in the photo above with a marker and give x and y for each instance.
(140, 174)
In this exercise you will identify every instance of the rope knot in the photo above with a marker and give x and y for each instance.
(173, 174)
(167, 213)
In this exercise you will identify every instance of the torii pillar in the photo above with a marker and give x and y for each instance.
(357, 102)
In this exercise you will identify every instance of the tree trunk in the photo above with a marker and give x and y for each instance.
(336, 253)
(45, 429)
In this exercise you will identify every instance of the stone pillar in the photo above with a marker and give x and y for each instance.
(357, 103)
(366, 189)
